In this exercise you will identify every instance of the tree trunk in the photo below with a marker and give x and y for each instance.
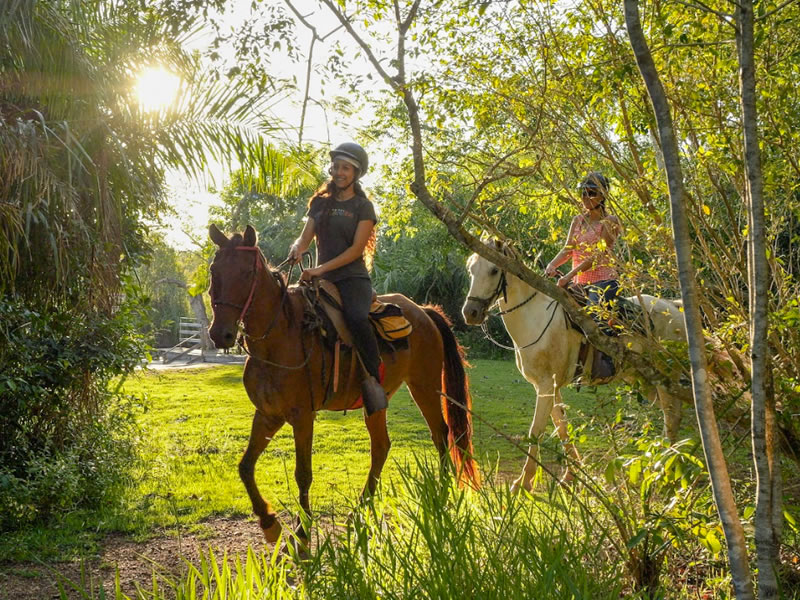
(718, 470)
(199, 310)
(762, 426)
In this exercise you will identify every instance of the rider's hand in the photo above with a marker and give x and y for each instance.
(564, 281)
(550, 270)
(294, 254)
(309, 274)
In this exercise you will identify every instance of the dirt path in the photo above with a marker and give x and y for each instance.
(136, 561)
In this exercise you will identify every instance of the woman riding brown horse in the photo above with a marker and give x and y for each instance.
(289, 368)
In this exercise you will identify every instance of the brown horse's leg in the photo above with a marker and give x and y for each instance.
(303, 440)
(379, 445)
(263, 430)
(429, 402)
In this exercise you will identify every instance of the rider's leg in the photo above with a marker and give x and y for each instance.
(356, 296)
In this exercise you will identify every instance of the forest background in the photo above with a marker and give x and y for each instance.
(484, 116)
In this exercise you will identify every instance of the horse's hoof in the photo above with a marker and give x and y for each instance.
(568, 481)
(518, 486)
(273, 532)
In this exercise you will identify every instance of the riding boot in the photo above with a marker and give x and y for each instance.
(373, 395)
(602, 366)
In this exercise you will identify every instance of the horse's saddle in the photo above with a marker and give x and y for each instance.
(324, 312)
(326, 299)
(629, 314)
(387, 319)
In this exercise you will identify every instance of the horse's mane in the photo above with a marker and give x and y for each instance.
(282, 280)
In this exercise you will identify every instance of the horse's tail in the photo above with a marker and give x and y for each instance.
(456, 401)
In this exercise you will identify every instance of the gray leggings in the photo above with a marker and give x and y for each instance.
(356, 293)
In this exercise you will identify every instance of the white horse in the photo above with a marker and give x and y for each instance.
(546, 347)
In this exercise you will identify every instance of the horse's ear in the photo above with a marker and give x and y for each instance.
(217, 236)
(250, 237)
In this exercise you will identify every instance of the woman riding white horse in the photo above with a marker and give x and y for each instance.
(546, 346)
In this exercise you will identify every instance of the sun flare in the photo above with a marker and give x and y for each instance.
(157, 88)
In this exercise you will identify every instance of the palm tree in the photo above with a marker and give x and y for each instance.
(81, 175)
(82, 162)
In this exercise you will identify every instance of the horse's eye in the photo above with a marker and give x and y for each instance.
(495, 271)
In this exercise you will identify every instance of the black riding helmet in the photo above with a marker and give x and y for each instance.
(595, 180)
(352, 153)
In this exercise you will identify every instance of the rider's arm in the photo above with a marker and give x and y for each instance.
(354, 252)
(585, 265)
(611, 228)
(566, 251)
(301, 244)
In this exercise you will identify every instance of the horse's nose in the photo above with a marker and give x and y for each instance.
(222, 337)
(470, 314)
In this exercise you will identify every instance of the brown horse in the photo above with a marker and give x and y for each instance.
(289, 369)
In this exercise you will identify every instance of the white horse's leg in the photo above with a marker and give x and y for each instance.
(559, 416)
(545, 396)
(671, 405)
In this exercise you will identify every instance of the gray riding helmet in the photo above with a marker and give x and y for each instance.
(595, 180)
(352, 153)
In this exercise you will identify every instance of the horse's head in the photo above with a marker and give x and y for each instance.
(487, 284)
(233, 278)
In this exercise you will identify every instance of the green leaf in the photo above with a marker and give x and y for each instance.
(713, 543)
(637, 539)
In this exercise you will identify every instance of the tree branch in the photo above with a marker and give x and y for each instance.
(364, 46)
(774, 10)
(728, 18)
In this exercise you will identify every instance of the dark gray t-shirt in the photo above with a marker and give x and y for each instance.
(336, 231)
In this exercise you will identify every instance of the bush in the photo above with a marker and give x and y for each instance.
(66, 440)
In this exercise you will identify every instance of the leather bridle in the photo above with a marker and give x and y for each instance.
(258, 265)
(486, 303)
(502, 284)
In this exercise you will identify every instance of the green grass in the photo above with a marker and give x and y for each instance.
(196, 423)
(199, 420)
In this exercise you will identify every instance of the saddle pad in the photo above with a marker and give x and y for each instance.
(331, 303)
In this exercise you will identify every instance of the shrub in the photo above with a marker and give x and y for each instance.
(65, 438)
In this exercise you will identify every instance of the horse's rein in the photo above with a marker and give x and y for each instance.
(258, 266)
(501, 285)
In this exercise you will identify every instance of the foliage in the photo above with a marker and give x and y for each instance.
(161, 281)
(67, 440)
(660, 501)
(422, 537)
(274, 203)
(81, 173)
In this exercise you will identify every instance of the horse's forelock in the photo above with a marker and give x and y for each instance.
(236, 240)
